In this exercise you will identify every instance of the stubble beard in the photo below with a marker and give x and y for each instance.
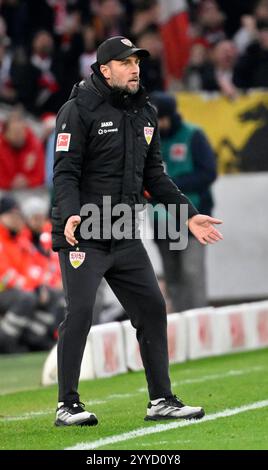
(125, 89)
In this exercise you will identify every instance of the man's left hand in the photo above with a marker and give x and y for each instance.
(203, 229)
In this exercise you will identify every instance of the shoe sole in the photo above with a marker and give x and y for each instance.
(92, 421)
(200, 414)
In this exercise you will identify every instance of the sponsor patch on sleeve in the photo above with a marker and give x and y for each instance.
(63, 142)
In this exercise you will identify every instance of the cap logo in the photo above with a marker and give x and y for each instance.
(127, 42)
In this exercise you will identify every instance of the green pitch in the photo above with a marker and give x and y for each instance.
(218, 384)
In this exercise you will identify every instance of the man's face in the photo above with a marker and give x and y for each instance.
(164, 124)
(43, 43)
(15, 133)
(123, 74)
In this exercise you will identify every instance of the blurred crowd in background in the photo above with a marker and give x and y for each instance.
(45, 47)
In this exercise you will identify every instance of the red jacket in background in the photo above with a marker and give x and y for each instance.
(18, 268)
(27, 161)
(47, 261)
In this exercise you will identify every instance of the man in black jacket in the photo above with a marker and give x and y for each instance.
(107, 146)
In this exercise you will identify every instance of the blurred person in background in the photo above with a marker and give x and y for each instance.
(88, 56)
(37, 77)
(152, 73)
(17, 298)
(69, 49)
(246, 34)
(219, 75)
(37, 230)
(251, 70)
(191, 164)
(25, 17)
(146, 13)
(212, 70)
(192, 77)
(21, 155)
(48, 137)
(35, 239)
(233, 11)
(7, 91)
(209, 22)
(109, 19)
(248, 31)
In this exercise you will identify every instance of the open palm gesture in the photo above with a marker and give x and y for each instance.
(202, 227)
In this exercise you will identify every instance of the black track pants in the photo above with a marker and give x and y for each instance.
(128, 270)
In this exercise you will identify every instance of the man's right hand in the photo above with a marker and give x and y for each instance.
(70, 227)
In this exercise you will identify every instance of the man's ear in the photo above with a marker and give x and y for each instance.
(106, 72)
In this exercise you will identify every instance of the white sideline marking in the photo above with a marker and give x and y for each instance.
(166, 427)
(204, 378)
(29, 415)
(33, 414)
(230, 373)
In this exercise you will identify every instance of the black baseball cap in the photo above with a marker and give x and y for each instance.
(118, 48)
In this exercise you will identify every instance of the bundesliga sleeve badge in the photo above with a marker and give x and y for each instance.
(77, 258)
(63, 142)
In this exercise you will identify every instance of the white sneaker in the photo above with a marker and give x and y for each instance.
(172, 408)
(74, 415)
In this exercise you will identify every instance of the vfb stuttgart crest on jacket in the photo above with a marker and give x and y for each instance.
(77, 258)
(148, 134)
